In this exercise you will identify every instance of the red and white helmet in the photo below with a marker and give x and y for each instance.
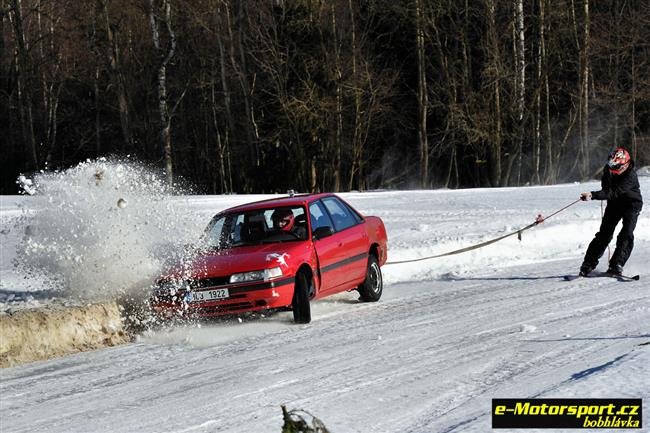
(283, 219)
(618, 161)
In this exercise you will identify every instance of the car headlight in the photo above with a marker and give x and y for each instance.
(263, 275)
(170, 287)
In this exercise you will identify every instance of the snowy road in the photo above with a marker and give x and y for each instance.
(446, 338)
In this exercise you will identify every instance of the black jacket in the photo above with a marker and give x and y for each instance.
(619, 188)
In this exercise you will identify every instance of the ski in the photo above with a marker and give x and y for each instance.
(630, 278)
(603, 274)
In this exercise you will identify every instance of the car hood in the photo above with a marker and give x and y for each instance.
(240, 259)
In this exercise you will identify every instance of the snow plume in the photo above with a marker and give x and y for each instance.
(102, 229)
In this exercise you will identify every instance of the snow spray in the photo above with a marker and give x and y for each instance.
(102, 229)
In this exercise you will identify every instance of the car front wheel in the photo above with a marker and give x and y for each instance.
(300, 302)
(371, 289)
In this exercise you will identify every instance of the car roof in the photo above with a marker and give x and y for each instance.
(296, 200)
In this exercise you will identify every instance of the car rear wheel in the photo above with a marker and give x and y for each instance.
(371, 289)
(300, 302)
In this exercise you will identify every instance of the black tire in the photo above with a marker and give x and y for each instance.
(371, 289)
(300, 302)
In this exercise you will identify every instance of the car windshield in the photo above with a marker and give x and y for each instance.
(255, 227)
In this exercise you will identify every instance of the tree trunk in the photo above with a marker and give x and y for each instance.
(52, 92)
(220, 148)
(313, 180)
(248, 89)
(494, 65)
(339, 102)
(452, 98)
(357, 149)
(118, 78)
(230, 130)
(521, 82)
(240, 70)
(537, 140)
(95, 48)
(165, 118)
(550, 175)
(423, 98)
(584, 92)
(24, 85)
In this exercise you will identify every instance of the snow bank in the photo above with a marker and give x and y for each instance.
(36, 334)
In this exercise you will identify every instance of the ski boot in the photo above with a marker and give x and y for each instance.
(585, 270)
(615, 269)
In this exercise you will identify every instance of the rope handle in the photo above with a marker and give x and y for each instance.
(540, 219)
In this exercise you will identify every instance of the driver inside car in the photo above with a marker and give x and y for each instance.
(284, 221)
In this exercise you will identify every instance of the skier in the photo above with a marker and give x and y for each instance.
(620, 187)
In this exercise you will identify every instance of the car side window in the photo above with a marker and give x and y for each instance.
(342, 216)
(319, 217)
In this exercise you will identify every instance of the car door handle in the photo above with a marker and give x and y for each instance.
(340, 244)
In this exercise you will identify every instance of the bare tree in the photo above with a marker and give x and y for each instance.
(585, 94)
(51, 83)
(24, 83)
(357, 147)
(550, 174)
(584, 88)
(520, 55)
(165, 56)
(118, 78)
(239, 65)
(338, 79)
(423, 97)
(493, 69)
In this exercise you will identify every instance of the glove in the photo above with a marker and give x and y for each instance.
(585, 196)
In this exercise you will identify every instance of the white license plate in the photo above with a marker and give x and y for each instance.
(207, 295)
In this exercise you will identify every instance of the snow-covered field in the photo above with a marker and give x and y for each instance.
(449, 334)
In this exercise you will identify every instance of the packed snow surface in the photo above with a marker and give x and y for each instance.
(448, 335)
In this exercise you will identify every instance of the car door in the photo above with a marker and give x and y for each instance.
(327, 249)
(351, 241)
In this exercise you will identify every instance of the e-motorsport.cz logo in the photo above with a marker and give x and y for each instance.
(567, 413)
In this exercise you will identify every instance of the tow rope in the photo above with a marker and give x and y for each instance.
(540, 219)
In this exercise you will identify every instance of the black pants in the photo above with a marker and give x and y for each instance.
(614, 212)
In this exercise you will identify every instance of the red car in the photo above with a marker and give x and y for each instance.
(277, 253)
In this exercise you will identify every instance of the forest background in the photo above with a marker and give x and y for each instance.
(326, 95)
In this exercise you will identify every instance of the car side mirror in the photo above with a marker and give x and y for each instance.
(323, 232)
